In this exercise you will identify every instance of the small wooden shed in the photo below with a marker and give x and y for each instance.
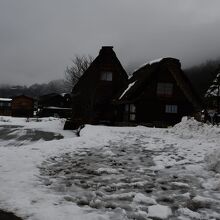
(22, 106)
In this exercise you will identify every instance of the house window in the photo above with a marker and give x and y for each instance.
(5, 104)
(132, 117)
(164, 89)
(130, 110)
(106, 76)
(171, 108)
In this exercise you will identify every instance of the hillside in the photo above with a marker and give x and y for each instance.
(202, 75)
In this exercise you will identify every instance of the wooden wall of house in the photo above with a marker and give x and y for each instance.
(22, 106)
(5, 111)
(150, 107)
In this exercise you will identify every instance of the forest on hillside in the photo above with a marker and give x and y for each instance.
(35, 90)
(201, 76)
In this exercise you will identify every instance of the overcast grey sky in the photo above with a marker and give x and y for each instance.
(38, 38)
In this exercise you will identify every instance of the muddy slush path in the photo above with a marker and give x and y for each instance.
(113, 177)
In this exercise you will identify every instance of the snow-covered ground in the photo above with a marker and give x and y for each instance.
(109, 172)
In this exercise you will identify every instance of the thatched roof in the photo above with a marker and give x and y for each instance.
(106, 56)
(144, 75)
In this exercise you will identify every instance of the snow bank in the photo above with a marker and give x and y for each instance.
(190, 127)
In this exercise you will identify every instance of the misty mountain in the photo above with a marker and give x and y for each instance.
(35, 90)
(201, 76)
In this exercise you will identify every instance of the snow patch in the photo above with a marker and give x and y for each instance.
(107, 171)
(159, 211)
(142, 199)
(189, 127)
(189, 213)
(180, 185)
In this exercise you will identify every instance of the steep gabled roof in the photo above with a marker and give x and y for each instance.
(106, 53)
(145, 74)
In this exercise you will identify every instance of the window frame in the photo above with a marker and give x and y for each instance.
(106, 76)
(165, 89)
(171, 109)
(130, 111)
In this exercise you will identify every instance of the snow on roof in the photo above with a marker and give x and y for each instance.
(126, 90)
(58, 108)
(5, 99)
(149, 62)
(63, 94)
(155, 61)
(129, 76)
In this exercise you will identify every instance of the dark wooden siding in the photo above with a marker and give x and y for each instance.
(22, 106)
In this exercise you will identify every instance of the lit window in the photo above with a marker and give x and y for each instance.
(5, 104)
(130, 111)
(171, 108)
(165, 89)
(106, 76)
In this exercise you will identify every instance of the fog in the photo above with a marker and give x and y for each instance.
(39, 38)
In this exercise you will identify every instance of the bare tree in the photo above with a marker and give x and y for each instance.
(73, 72)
